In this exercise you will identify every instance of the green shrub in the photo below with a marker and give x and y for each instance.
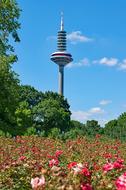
(31, 131)
(54, 133)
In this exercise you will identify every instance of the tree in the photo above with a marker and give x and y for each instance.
(8, 92)
(50, 114)
(117, 128)
(122, 125)
(23, 118)
(48, 110)
(55, 96)
(76, 129)
(77, 124)
(111, 128)
(122, 120)
(30, 95)
(92, 127)
(9, 14)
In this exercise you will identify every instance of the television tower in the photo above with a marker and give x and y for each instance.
(61, 57)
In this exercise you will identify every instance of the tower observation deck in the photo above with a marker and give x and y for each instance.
(61, 57)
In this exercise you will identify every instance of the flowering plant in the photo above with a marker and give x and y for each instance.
(43, 163)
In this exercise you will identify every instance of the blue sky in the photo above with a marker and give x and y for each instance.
(95, 80)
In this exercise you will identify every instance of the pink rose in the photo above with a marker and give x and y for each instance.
(117, 165)
(22, 158)
(53, 162)
(37, 182)
(107, 167)
(86, 186)
(119, 160)
(58, 153)
(121, 182)
(86, 172)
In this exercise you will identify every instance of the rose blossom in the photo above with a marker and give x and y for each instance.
(22, 158)
(53, 162)
(79, 168)
(121, 182)
(119, 160)
(86, 172)
(86, 186)
(76, 167)
(118, 164)
(58, 153)
(71, 165)
(37, 182)
(107, 167)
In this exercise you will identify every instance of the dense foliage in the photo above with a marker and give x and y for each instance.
(8, 93)
(43, 163)
(117, 128)
(9, 14)
(41, 111)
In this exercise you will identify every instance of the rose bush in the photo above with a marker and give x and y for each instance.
(43, 163)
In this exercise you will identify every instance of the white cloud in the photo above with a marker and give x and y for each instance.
(87, 115)
(107, 61)
(110, 62)
(82, 63)
(122, 66)
(105, 102)
(102, 121)
(77, 36)
(80, 115)
(96, 110)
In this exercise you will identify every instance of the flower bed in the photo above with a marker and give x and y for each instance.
(42, 163)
